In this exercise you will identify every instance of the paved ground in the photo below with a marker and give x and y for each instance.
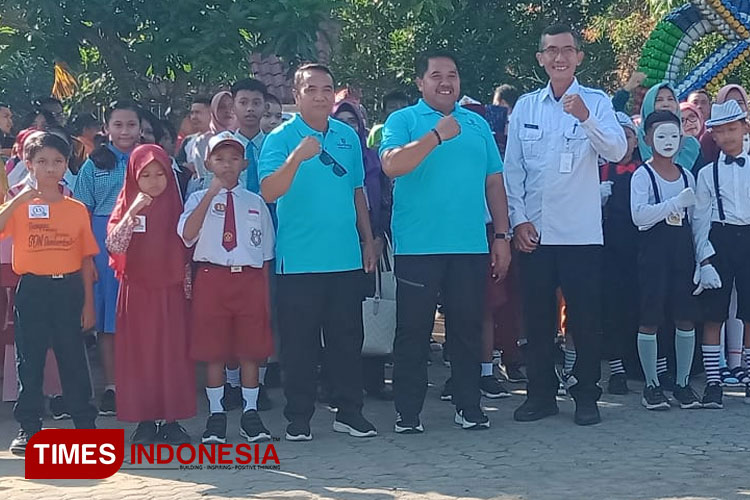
(633, 454)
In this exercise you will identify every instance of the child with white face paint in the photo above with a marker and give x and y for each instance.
(661, 203)
(722, 235)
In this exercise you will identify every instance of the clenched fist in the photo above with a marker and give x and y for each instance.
(141, 201)
(308, 148)
(448, 128)
(574, 105)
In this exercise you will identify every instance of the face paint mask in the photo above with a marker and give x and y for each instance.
(667, 139)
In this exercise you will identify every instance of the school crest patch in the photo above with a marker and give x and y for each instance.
(255, 237)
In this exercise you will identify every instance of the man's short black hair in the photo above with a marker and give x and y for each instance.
(311, 67)
(660, 117)
(122, 104)
(422, 61)
(696, 91)
(4, 105)
(49, 100)
(168, 129)
(272, 98)
(38, 141)
(559, 29)
(82, 121)
(201, 99)
(395, 96)
(249, 84)
(507, 93)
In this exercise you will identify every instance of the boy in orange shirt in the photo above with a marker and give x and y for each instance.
(52, 252)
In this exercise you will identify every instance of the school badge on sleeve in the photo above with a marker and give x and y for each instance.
(256, 237)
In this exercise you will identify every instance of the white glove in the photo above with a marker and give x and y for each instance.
(605, 191)
(707, 278)
(685, 199)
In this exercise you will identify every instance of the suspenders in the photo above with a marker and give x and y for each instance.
(719, 204)
(655, 186)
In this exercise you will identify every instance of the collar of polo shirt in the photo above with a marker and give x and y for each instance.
(425, 109)
(306, 129)
(547, 92)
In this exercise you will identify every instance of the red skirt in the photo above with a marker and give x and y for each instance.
(230, 315)
(154, 374)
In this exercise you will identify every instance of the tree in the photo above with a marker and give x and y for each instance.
(152, 50)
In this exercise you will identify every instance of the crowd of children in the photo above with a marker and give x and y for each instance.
(171, 258)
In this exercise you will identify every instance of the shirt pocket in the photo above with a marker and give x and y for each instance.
(102, 185)
(576, 141)
(531, 143)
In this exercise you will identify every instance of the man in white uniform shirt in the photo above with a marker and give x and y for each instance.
(555, 138)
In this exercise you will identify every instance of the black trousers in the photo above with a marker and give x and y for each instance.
(577, 270)
(48, 313)
(307, 304)
(461, 280)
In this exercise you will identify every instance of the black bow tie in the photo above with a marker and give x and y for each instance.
(738, 160)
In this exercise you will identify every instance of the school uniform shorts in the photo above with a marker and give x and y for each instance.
(732, 262)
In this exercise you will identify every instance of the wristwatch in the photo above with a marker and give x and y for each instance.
(503, 236)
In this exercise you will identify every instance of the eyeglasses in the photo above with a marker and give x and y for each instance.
(690, 119)
(328, 160)
(567, 51)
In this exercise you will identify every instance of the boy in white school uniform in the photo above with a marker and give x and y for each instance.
(233, 235)
(722, 236)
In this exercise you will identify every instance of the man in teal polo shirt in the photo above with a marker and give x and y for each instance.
(311, 166)
(446, 164)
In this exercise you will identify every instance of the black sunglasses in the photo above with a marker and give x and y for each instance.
(327, 160)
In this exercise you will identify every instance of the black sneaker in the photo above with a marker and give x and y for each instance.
(145, 433)
(173, 433)
(216, 429)
(355, 425)
(18, 445)
(712, 396)
(264, 402)
(532, 410)
(687, 397)
(232, 397)
(666, 382)
(618, 384)
(587, 412)
(58, 409)
(107, 405)
(408, 425)
(475, 420)
(252, 428)
(515, 375)
(298, 431)
(447, 394)
(492, 388)
(654, 398)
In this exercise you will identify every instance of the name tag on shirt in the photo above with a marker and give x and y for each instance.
(566, 163)
(38, 211)
(140, 225)
(674, 220)
(235, 269)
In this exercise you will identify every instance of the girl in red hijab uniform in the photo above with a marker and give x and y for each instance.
(155, 376)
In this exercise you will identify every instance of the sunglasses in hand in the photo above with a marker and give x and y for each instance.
(328, 160)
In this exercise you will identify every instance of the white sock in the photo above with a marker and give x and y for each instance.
(250, 397)
(214, 395)
(487, 369)
(661, 364)
(734, 338)
(616, 367)
(711, 362)
(262, 374)
(109, 387)
(684, 346)
(647, 354)
(570, 360)
(233, 376)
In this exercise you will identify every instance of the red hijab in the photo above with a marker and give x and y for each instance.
(157, 257)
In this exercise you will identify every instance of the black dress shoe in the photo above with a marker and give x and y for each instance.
(587, 412)
(618, 384)
(531, 410)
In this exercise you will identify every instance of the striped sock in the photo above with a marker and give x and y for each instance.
(615, 367)
(661, 366)
(711, 362)
(570, 360)
(746, 352)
